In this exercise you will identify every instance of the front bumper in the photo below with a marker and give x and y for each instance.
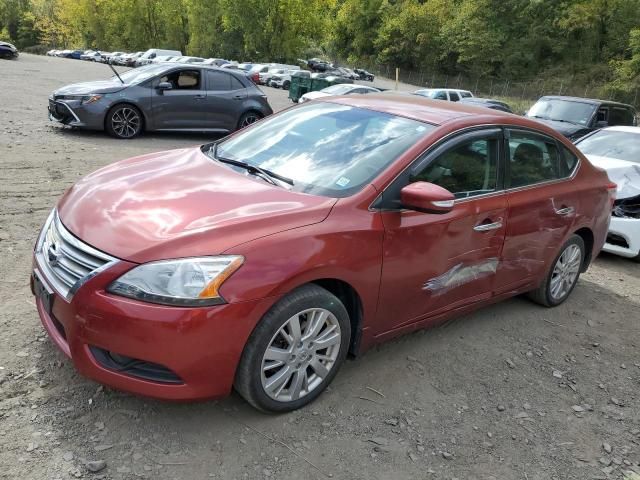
(196, 349)
(623, 237)
(76, 114)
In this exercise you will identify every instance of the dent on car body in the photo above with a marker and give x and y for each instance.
(461, 274)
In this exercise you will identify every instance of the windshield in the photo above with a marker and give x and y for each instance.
(612, 144)
(137, 75)
(337, 89)
(326, 149)
(562, 110)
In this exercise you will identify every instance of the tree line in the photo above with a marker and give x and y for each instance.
(591, 40)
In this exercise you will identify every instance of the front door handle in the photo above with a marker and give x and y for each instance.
(565, 211)
(485, 227)
(238, 97)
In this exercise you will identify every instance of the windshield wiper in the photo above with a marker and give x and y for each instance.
(252, 169)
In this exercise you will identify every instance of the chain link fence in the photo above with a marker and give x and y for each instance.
(523, 92)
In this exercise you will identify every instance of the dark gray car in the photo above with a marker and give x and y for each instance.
(162, 97)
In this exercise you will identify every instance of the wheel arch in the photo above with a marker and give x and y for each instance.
(351, 300)
(587, 237)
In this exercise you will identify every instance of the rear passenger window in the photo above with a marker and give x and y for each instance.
(454, 97)
(218, 81)
(568, 163)
(533, 159)
(620, 116)
(440, 96)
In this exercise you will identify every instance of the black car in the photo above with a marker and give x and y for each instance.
(574, 117)
(7, 50)
(319, 65)
(166, 96)
(488, 103)
(364, 75)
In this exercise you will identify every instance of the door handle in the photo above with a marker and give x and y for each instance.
(200, 97)
(238, 97)
(565, 211)
(485, 227)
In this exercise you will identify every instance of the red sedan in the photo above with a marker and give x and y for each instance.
(260, 261)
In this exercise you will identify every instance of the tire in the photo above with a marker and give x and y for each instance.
(297, 376)
(560, 281)
(124, 121)
(248, 118)
(286, 85)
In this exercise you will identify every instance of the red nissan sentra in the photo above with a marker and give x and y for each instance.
(260, 261)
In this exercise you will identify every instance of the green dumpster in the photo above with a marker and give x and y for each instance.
(300, 84)
(323, 81)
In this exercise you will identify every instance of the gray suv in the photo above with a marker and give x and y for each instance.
(162, 97)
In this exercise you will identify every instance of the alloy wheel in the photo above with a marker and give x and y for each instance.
(300, 355)
(125, 122)
(248, 119)
(565, 272)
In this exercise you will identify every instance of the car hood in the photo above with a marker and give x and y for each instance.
(624, 174)
(566, 129)
(85, 88)
(180, 203)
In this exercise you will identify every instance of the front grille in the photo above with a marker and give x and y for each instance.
(67, 262)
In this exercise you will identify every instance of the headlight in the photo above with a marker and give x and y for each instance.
(187, 282)
(90, 99)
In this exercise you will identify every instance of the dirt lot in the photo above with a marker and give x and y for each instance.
(514, 391)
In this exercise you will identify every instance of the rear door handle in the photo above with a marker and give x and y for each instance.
(485, 227)
(238, 97)
(200, 97)
(565, 211)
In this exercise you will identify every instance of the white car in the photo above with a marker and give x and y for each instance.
(617, 150)
(450, 94)
(282, 80)
(340, 89)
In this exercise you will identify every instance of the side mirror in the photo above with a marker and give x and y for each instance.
(602, 124)
(162, 86)
(427, 197)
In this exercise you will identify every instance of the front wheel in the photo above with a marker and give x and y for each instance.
(124, 122)
(295, 351)
(563, 275)
(286, 85)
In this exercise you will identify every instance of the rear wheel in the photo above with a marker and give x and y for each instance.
(124, 121)
(563, 275)
(248, 118)
(295, 351)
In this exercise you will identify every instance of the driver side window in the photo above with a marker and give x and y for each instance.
(466, 170)
(183, 79)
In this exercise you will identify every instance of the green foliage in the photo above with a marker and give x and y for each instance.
(592, 42)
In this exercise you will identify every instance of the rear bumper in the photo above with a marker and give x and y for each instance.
(623, 237)
(195, 350)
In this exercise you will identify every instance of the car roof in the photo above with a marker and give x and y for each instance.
(592, 101)
(435, 112)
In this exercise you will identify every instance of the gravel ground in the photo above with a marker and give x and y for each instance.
(514, 391)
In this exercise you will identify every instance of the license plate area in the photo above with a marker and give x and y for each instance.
(42, 293)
